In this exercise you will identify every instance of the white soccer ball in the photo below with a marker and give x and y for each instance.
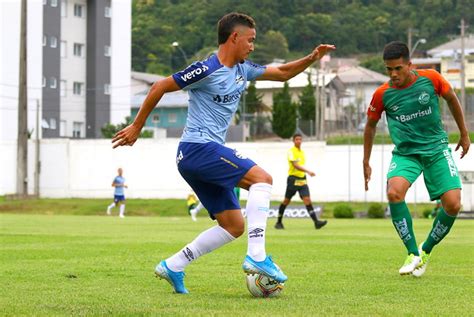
(262, 286)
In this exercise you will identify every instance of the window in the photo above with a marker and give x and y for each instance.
(470, 80)
(45, 40)
(44, 81)
(76, 129)
(53, 41)
(107, 89)
(62, 128)
(155, 118)
(54, 3)
(63, 88)
(45, 2)
(107, 50)
(52, 123)
(78, 89)
(63, 49)
(78, 10)
(79, 50)
(53, 82)
(63, 8)
(172, 118)
(107, 12)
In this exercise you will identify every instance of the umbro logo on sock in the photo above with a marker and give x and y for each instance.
(188, 254)
(256, 233)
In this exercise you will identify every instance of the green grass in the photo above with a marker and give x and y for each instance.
(90, 265)
(147, 207)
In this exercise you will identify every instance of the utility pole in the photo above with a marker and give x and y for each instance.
(22, 142)
(463, 70)
(409, 37)
(316, 119)
(37, 150)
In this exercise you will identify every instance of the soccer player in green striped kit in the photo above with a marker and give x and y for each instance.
(410, 100)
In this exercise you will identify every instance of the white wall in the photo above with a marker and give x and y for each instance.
(9, 64)
(86, 168)
(121, 60)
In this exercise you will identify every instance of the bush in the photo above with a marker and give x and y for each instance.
(343, 211)
(427, 213)
(376, 211)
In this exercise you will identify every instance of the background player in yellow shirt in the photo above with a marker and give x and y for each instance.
(297, 182)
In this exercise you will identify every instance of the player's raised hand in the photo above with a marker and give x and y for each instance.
(465, 143)
(367, 174)
(126, 136)
(321, 50)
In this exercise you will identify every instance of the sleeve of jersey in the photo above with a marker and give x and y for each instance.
(192, 76)
(376, 105)
(253, 70)
(441, 85)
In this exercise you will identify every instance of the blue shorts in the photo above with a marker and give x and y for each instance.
(119, 198)
(212, 170)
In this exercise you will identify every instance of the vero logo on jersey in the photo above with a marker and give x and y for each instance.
(193, 73)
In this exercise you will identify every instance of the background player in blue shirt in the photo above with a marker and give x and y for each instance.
(119, 194)
(215, 86)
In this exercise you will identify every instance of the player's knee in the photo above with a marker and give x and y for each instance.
(267, 178)
(452, 207)
(394, 195)
(236, 230)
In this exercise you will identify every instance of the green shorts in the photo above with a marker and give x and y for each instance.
(439, 171)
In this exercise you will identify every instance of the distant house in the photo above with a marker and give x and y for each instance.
(171, 111)
(360, 85)
(449, 55)
(330, 84)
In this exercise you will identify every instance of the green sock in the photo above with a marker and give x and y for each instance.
(402, 221)
(441, 226)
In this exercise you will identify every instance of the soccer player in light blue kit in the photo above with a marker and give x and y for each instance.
(215, 86)
(119, 194)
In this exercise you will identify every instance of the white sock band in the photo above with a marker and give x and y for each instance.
(205, 242)
(122, 209)
(258, 203)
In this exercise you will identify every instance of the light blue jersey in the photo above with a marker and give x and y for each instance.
(119, 182)
(214, 93)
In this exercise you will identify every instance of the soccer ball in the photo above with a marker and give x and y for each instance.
(262, 286)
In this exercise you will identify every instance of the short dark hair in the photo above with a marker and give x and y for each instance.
(395, 50)
(296, 135)
(228, 22)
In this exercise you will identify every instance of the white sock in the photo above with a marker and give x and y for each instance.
(112, 205)
(122, 210)
(206, 242)
(199, 207)
(258, 203)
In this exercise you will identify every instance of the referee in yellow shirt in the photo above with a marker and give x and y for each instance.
(296, 182)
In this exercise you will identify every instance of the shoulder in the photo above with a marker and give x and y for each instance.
(381, 89)
(197, 71)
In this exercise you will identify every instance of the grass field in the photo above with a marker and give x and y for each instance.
(98, 265)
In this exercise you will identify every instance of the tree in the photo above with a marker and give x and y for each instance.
(272, 45)
(307, 105)
(109, 130)
(284, 113)
(253, 100)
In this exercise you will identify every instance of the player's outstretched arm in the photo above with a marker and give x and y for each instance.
(291, 69)
(369, 134)
(129, 134)
(456, 110)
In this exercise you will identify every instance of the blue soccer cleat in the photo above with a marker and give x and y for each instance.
(174, 278)
(265, 267)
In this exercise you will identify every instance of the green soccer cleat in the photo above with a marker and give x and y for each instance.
(425, 258)
(411, 263)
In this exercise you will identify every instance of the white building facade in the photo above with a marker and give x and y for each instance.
(79, 63)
